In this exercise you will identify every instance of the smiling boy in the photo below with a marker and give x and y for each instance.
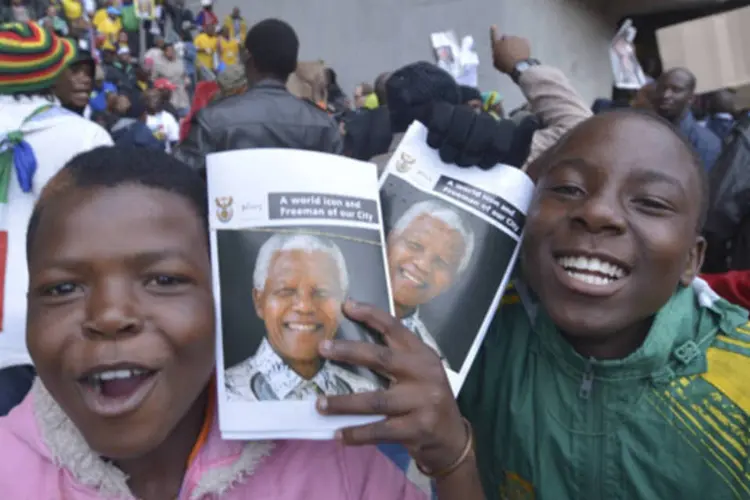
(612, 377)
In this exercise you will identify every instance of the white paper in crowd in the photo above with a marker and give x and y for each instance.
(469, 61)
(453, 237)
(626, 69)
(293, 233)
(447, 52)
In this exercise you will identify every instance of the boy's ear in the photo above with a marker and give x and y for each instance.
(694, 261)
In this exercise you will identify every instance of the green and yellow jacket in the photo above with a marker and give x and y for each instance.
(669, 422)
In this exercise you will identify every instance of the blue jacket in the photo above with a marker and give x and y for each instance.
(705, 142)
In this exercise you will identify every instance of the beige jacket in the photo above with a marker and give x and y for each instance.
(551, 97)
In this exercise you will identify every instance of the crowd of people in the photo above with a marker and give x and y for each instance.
(613, 368)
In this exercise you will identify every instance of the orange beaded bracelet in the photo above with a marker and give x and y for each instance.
(465, 453)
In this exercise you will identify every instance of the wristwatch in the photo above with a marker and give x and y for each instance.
(522, 66)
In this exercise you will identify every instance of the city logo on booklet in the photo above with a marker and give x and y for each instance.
(405, 162)
(224, 210)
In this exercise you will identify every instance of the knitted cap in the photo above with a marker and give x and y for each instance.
(31, 58)
(415, 86)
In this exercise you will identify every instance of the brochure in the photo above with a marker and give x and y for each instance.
(453, 236)
(293, 234)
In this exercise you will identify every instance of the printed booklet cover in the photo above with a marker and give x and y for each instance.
(452, 236)
(293, 234)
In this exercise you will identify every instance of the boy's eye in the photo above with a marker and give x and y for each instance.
(568, 190)
(59, 290)
(653, 204)
(164, 280)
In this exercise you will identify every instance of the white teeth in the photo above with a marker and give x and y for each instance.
(590, 278)
(579, 266)
(117, 375)
(411, 277)
(306, 327)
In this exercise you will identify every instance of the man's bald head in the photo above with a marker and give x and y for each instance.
(674, 94)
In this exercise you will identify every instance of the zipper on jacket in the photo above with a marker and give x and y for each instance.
(587, 381)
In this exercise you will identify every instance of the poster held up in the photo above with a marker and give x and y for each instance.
(293, 234)
(453, 236)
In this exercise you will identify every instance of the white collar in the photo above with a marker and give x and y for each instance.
(280, 376)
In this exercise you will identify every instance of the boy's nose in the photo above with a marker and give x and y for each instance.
(111, 311)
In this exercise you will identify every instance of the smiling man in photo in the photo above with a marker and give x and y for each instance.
(428, 247)
(299, 284)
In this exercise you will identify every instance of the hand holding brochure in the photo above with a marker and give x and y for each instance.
(453, 237)
(293, 234)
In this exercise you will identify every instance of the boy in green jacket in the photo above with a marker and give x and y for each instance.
(611, 372)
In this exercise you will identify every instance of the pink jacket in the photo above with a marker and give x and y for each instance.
(44, 457)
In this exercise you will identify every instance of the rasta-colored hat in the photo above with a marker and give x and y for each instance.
(31, 58)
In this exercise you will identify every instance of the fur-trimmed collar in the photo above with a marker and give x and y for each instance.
(70, 451)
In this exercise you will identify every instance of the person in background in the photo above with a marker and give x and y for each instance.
(32, 126)
(236, 25)
(268, 115)
(119, 71)
(721, 111)
(172, 68)
(19, 11)
(228, 47)
(308, 82)
(205, 93)
(134, 131)
(361, 92)
(206, 44)
(470, 96)
(166, 89)
(189, 57)
(123, 41)
(492, 103)
(101, 92)
(73, 11)
(206, 17)
(232, 81)
(75, 83)
(337, 101)
(111, 26)
(675, 90)
(59, 26)
(154, 53)
(142, 78)
(100, 15)
(162, 124)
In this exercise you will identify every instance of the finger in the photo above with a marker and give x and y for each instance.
(398, 400)
(493, 34)
(394, 333)
(391, 430)
(377, 357)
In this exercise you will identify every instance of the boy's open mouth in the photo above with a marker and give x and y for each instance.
(116, 390)
(595, 271)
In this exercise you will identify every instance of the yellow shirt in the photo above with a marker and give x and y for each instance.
(99, 16)
(109, 28)
(230, 51)
(73, 9)
(206, 46)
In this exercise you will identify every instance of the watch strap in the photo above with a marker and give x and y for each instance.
(522, 66)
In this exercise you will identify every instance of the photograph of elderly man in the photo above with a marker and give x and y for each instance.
(428, 247)
(299, 283)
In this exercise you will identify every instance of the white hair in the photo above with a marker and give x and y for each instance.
(444, 213)
(304, 242)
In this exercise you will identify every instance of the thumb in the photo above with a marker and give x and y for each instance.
(494, 37)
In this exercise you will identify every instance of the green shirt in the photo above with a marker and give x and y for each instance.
(671, 421)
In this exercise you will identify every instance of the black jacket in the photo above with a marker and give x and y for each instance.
(727, 228)
(266, 116)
